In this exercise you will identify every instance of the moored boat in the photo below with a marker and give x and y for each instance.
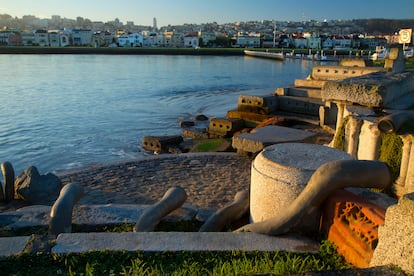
(272, 55)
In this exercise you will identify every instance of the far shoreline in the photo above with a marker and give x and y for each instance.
(120, 51)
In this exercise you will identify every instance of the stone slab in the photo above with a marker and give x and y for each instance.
(260, 138)
(13, 245)
(180, 241)
(39, 215)
(380, 89)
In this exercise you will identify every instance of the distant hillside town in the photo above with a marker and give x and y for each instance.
(367, 34)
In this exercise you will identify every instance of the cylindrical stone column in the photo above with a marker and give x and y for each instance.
(370, 141)
(280, 172)
(400, 185)
(352, 132)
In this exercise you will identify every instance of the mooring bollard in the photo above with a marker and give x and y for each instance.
(61, 213)
(150, 217)
(327, 178)
(229, 213)
(8, 176)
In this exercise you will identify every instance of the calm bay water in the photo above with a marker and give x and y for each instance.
(59, 112)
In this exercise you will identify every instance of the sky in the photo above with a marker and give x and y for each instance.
(178, 12)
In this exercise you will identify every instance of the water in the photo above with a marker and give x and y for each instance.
(65, 111)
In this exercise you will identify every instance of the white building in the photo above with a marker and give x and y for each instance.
(82, 37)
(41, 38)
(131, 40)
(191, 41)
(248, 41)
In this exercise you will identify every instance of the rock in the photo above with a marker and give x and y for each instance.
(396, 236)
(201, 118)
(185, 124)
(37, 189)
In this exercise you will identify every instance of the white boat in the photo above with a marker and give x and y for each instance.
(380, 54)
(272, 55)
(409, 52)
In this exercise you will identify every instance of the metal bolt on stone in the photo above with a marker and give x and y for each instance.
(229, 213)
(61, 212)
(326, 179)
(151, 216)
(9, 177)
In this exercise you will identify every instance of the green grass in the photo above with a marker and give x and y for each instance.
(173, 263)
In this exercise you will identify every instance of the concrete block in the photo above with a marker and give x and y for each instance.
(13, 245)
(224, 127)
(264, 104)
(260, 138)
(280, 172)
(301, 105)
(309, 83)
(180, 241)
(396, 236)
(306, 92)
(250, 119)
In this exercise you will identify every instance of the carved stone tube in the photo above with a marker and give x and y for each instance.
(8, 176)
(150, 217)
(229, 213)
(61, 213)
(327, 178)
(393, 122)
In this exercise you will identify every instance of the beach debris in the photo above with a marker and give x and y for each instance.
(7, 189)
(151, 216)
(160, 144)
(326, 179)
(228, 214)
(37, 189)
(61, 212)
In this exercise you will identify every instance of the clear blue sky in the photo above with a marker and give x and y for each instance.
(204, 11)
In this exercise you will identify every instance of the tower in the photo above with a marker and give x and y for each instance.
(154, 23)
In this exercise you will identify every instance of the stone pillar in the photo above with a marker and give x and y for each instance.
(352, 132)
(370, 140)
(280, 173)
(396, 236)
(339, 119)
(405, 182)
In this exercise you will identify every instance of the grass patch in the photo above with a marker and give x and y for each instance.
(339, 140)
(391, 152)
(210, 145)
(173, 263)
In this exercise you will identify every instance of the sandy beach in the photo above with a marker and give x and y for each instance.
(210, 180)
